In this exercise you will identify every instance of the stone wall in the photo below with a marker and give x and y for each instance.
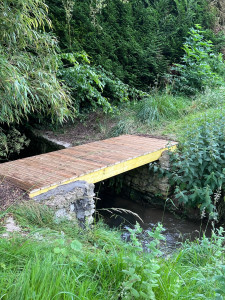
(76, 200)
(141, 184)
(71, 201)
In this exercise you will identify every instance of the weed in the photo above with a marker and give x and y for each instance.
(97, 264)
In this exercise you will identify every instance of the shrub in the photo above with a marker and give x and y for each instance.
(201, 67)
(11, 141)
(93, 87)
(198, 166)
(85, 84)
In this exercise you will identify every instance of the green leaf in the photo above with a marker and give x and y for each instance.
(57, 250)
(76, 245)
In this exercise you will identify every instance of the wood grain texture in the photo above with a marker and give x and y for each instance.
(92, 162)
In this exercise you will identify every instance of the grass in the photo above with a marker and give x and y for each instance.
(150, 113)
(55, 260)
(159, 113)
(62, 262)
(168, 115)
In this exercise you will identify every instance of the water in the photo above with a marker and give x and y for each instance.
(177, 229)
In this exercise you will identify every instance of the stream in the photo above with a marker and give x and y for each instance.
(177, 230)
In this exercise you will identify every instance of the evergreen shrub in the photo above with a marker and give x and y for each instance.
(138, 40)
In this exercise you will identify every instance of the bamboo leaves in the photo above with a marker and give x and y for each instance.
(28, 64)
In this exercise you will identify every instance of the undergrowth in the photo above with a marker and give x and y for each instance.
(167, 114)
(59, 261)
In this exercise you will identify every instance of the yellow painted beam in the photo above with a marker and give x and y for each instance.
(110, 171)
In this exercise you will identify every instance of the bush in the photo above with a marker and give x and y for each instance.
(11, 141)
(93, 87)
(201, 67)
(198, 166)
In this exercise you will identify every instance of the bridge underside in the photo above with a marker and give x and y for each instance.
(91, 162)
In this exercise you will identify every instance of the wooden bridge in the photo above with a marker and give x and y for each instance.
(91, 162)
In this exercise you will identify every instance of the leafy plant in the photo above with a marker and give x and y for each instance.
(92, 87)
(86, 86)
(28, 64)
(140, 285)
(200, 67)
(198, 166)
(11, 141)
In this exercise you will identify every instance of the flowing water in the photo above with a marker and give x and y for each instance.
(177, 229)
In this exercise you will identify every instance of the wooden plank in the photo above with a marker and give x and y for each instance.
(110, 171)
(92, 162)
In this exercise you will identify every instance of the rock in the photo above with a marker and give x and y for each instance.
(73, 200)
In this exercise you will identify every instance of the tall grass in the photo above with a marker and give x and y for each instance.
(150, 113)
(161, 107)
(168, 114)
(63, 263)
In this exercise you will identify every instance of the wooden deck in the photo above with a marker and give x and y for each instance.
(91, 162)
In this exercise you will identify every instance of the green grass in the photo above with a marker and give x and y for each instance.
(55, 260)
(169, 115)
(150, 114)
(59, 261)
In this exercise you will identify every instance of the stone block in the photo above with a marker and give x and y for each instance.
(73, 200)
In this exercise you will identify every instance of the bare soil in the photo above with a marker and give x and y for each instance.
(10, 194)
(94, 127)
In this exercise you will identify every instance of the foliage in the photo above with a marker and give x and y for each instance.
(99, 265)
(93, 87)
(137, 40)
(198, 166)
(191, 273)
(158, 107)
(28, 64)
(138, 284)
(11, 141)
(85, 84)
(200, 67)
(211, 98)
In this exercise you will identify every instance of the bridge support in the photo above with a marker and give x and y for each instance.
(74, 200)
